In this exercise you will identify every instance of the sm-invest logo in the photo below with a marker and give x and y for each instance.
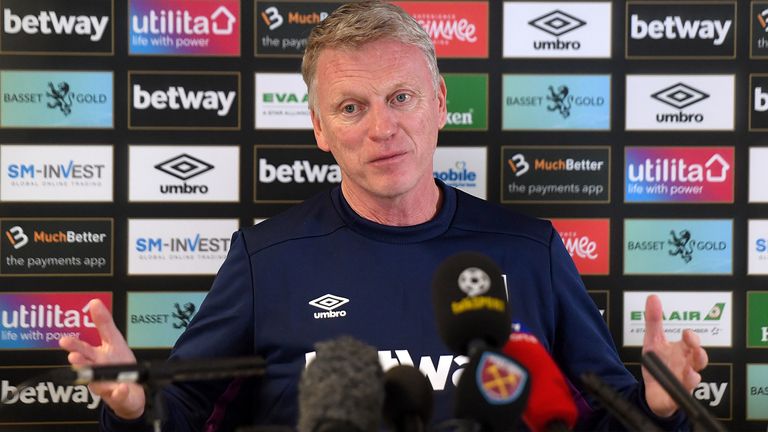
(56, 247)
(39, 320)
(184, 100)
(157, 319)
(56, 99)
(588, 243)
(679, 174)
(757, 391)
(49, 27)
(183, 174)
(757, 247)
(557, 29)
(708, 314)
(44, 401)
(556, 102)
(459, 29)
(282, 27)
(463, 168)
(56, 173)
(757, 319)
(178, 246)
(292, 173)
(555, 174)
(680, 102)
(678, 246)
(180, 27)
(467, 101)
(281, 101)
(684, 29)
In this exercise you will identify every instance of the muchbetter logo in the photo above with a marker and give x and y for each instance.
(16, 237)
(758, 29)
(329, 303)
(680, 102)
(706, 313)
(557, 29)
(281, 27)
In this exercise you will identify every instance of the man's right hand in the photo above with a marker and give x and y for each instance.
(126, 399)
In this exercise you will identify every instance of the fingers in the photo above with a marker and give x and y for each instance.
(74, 345)
(105, 325)
(699, 357)
(654, 325)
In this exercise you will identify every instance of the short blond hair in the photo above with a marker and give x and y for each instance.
(357, 23)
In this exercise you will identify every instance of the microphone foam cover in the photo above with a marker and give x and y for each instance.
(550, 398)
(470, 301)
(343, 385)
(408, 397)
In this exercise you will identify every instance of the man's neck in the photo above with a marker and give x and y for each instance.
(413, 209)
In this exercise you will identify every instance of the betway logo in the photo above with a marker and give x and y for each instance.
(47, 392)
(301, 171)
(220, 22)
(45, 316)
(437, 374)
(674, 27)
(709, 392)
(715, 170)
(178, 98)
(49, 22)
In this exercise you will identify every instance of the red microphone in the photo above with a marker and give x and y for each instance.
(550, 404)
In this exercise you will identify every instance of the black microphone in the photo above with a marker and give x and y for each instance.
(342, 389)
(408, 399)
(698, 414)
(621, 409)
(158, 372)
(470, 302)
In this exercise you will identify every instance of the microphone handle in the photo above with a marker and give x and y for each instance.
(620, 408)
(698, 414)
(556, 426)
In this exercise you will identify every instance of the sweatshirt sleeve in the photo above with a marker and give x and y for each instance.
(582, 343)
(223, 327)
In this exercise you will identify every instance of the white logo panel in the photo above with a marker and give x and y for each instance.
(178, 246)
(757, 252)
(557, 29)
(56, 173)
(463, 168)
(706, 313)
(183, 173)
(758, 174)
(680, 102)
(281, 101)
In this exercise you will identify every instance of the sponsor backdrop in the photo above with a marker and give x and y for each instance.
(136, 136)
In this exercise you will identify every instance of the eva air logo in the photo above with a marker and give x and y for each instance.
(329, 303)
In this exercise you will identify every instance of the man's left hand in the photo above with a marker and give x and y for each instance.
(685, 358)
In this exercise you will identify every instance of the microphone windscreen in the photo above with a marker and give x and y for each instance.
(408, 399)
(493, 391)
(470, 302)
(550, 399)
(342, 389)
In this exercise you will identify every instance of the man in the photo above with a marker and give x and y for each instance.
(377, 102)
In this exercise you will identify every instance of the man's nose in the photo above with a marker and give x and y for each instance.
(383, 122)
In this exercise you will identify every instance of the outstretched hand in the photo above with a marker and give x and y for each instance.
(685, 358)
(126, 399)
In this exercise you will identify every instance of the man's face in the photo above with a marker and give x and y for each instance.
(377, 111)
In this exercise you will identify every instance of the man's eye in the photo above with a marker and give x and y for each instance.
(349, 108)
(402, 97)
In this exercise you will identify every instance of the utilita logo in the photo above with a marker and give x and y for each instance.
(557, 23)
(168, 27)
(683, 174)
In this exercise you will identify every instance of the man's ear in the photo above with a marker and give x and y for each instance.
(442, 106)
(317, 128)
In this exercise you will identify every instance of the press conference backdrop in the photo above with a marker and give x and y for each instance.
(136, 136)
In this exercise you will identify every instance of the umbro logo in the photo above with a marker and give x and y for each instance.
(329, 303)
(557, 23)
(680, 96)
(184, 167)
